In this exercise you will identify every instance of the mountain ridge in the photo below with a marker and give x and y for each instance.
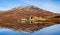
(28, 18)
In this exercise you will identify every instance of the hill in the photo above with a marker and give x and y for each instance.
(28, 18)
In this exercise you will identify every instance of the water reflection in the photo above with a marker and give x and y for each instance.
(26, 27)
(52, 30)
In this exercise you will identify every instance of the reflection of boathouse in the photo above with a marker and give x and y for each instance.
(34, 19)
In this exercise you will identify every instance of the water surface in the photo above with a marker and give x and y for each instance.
(52, 30)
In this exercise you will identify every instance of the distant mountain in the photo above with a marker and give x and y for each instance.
(28, 18)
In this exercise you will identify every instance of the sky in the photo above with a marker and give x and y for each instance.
(49, 5)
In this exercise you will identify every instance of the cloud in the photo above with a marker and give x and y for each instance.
(44, 4)
(50, 6)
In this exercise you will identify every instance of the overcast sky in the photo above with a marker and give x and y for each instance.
(50, 5)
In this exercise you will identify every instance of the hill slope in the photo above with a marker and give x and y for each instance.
(28, 18)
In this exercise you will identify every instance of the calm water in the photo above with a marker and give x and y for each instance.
(52, 30)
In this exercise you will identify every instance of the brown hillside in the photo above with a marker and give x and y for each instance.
(28, 18)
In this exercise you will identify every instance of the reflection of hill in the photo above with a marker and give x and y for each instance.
(40, 18)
